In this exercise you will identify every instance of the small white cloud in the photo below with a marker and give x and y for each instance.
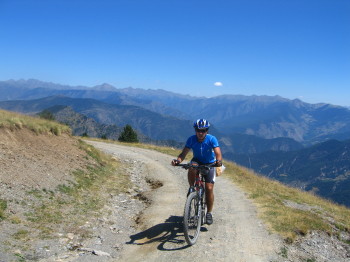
(218, 84)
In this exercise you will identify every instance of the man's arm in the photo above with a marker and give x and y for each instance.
(181, 157)
(218, 156)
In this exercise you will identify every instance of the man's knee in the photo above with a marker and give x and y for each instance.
(209, 187)
(191, 176)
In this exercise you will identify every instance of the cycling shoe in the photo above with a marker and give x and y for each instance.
(209, 218)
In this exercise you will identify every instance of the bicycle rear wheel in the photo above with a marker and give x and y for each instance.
(192, 218)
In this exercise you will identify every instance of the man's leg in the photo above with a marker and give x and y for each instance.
(191, 175)
(209, 196)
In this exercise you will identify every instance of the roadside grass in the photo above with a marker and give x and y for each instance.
(15, 121)
(3, 206)
(285, 210)
(71, 205)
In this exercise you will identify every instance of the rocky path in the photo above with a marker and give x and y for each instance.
(236, 235)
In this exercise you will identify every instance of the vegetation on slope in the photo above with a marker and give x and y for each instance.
(13, 121)
(3, 206)
(289, 211)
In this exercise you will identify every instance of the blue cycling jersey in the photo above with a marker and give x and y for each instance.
(203, 151)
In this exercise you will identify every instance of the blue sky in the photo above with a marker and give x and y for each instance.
(292, 48)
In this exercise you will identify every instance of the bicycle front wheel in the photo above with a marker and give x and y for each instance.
(192, 218)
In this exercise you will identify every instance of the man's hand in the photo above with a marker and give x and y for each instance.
(218, 163)
(175, 162)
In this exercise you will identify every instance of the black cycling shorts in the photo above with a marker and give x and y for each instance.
(210, 174)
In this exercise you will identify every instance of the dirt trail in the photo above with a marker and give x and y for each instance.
(236, 235)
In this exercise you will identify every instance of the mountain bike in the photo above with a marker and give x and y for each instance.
(195, 207)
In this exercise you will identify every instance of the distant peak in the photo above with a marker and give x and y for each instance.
(105, 87)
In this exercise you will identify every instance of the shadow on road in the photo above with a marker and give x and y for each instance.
(169, 235)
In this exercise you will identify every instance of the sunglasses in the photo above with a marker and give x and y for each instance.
(201, 130)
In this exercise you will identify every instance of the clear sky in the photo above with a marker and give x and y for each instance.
(292, 48)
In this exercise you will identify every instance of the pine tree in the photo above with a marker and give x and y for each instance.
(46, 114)
(128, 135)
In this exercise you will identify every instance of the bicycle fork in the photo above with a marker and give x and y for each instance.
(201, 204)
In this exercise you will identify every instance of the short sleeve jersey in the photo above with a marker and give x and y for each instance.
(203, 151)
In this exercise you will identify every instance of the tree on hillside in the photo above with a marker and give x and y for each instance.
(128, 135)
(46, 114)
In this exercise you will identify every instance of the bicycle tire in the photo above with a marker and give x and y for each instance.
(192, 218)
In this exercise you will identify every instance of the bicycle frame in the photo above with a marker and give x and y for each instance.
(199, 182)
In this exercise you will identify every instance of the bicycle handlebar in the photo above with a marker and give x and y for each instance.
(205, 167)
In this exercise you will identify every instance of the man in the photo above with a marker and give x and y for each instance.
(206, 150)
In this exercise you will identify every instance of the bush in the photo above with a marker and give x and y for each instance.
(128, 135)
(3, 206)
(85, 134)
(46, 114)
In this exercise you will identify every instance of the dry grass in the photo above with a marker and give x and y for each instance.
(3, 206)
(14, 121)
(289, 211)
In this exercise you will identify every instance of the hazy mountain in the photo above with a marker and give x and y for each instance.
(152, 125)
(97, 118)
(82, 125)
(34, 89)
(323, 168)
(272, 117)
(249, 144)
(263, 116)
(34, 83)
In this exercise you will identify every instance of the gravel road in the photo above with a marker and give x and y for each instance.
(236, 235)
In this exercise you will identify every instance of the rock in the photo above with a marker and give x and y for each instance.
(100, 253)
(70, 236)
(94, 252)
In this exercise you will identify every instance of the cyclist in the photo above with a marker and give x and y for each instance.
(206, 150)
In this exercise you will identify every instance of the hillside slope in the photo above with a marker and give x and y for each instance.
(323, 168)
(53, 192)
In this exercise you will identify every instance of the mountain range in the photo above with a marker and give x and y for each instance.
(262, 116)
(274, 136)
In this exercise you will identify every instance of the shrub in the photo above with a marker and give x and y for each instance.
(3, 206)
(128, 135)
(46, 114)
